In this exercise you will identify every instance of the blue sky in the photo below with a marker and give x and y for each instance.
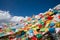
(27, 7)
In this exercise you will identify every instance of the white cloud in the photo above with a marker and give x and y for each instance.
(16, 18)
(4, 15)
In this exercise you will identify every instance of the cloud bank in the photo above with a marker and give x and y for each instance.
(6, 17)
